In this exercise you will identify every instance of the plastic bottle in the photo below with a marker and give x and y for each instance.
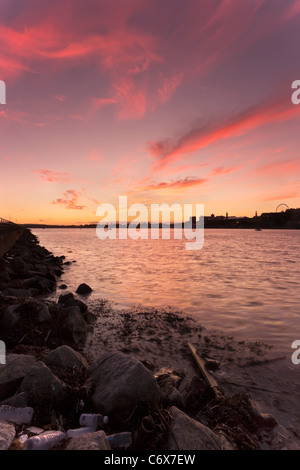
(80, 431)
(45, 441)
(93, 420)
(122, 439)
(16, 415)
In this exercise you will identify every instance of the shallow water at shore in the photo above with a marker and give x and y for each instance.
(244, 282)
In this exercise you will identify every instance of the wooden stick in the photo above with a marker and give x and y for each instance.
(206, 375)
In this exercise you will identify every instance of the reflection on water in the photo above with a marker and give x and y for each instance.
(243, 282)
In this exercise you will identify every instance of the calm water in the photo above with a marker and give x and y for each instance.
(243, 282)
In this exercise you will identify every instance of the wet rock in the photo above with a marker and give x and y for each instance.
(66, 358)
(76, 303)
(90, 441)
(7, 434)
(73, 325)
(121, 382)
(263, 420)
(63, 286)
(187, 433)
(83, 289)
(13, 373)
(42, 386)
(64, 298)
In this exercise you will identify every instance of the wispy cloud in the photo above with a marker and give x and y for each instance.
(53, 176)
(70, 200)
(177, 185)
(207, 133)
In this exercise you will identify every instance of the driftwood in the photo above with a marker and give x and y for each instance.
(210, 380)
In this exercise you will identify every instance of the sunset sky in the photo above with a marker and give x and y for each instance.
(169, 101)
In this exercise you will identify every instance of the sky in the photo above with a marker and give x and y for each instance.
(165, 101)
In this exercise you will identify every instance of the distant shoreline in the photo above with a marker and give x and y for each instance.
(172, 228)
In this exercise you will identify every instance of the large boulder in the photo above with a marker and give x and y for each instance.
(90, 441)
(13, 373)
(42, 386)
(7, 434)
(32, 310)
(121, 382)
(186, 433)
(66, 358)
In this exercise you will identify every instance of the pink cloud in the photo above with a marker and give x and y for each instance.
(70, 200)
(52, 176)
(168, 88)
(168, 150)
(177, 185)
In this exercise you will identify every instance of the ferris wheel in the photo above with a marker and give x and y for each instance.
(280, 205)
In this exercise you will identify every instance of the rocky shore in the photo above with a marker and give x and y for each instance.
(48, 367)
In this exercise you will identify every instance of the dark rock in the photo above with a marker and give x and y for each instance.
(18, 265)
(12, 292)
(63, 286)
(64, 298)
(186, 433)
(83, 289)
(42, 386)
(196, 394)
(73, 325)
(42, 284)
(31, 310)
(263, 420)
(66, 358)
(13, 373)
(4, 278)
(76, 303)
(41, 268)
(121, 382)
(19, 400)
